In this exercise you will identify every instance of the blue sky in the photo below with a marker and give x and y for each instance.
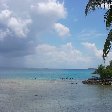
(50, 34)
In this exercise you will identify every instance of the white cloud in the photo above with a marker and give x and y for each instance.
(47, 13)
(64, 56)
(89, 34)
(19, 26)
(51, 8)
(22, 22)
(96, 54)
(34, 17)
(93, 49)
(5, 15)
(14, 24)
(61, 29)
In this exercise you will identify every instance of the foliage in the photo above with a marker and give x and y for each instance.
(104, 72)
(92, 5)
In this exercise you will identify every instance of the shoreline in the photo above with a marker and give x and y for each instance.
(98, 81)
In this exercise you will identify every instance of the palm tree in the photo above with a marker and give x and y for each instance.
(92, 5)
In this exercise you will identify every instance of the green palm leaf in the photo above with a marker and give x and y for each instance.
(92, 5)
(108, 17)
(107, 45)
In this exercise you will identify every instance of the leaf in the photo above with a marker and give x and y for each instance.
(108, 17)
(107, 45)
(93, 4)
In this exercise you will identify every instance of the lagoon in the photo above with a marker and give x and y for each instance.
(49, 93)
(45, 74)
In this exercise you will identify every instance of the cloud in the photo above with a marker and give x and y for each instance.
(63, 56)
(60, 56)
(47, 14)
(93, 49)
(20, 27)
(13, 31)
(96, 54)
(88, 34)
(22, 22)
(61, 30)
(4, 33)
(52, 8)
(41, 15)
(16, 25)
(12, 62)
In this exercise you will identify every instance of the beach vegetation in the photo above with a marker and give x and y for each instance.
(104, 71)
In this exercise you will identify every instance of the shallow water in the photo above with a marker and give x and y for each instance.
(48, 93)
(45, 74)
(54, 96)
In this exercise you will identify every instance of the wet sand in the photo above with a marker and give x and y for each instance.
(53, 96)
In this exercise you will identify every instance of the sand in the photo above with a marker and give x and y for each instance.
(53, 96)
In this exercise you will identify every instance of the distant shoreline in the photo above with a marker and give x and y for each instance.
(48, 68)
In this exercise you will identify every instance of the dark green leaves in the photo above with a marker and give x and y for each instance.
(108, 17)
(104, 71)
(108, 21)
(107, 45)
(92, 5)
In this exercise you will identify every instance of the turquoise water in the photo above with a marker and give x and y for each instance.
(45, 74)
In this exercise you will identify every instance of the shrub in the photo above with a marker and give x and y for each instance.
(104, 72)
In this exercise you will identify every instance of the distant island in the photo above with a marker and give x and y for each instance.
(92, 68)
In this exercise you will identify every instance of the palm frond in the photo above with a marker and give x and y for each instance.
(108, 17)
(93, 4)
(107, 45)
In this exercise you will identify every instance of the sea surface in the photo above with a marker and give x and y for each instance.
(50, 94)
(46, 74)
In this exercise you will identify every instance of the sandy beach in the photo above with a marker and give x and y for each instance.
(53, 96)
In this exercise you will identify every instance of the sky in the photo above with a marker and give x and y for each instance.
(50, 34)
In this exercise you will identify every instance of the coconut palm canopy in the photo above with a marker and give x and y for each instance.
(94, 4)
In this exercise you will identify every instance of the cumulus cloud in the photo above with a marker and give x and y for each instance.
(22, 22)
(63, 56)
(19, 26)
(96, 54)
(94, 50)
(52, 8)
(67, 56)
(61, 30)
(60, 56)
(14, 24)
